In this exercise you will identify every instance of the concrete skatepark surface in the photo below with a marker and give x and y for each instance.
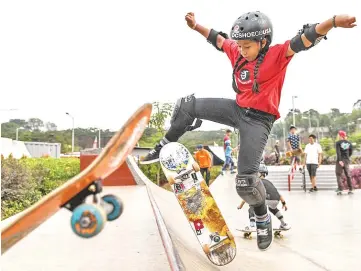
(324, 235)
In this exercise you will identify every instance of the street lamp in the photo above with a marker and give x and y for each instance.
(293, 110)
(72, 136)
(99, 145)
(17, 132)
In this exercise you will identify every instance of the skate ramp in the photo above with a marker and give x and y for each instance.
(313, 243)
(132, 242)
(218, 154)
(325, 234)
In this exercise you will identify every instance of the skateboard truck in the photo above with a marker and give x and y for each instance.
(89, 219)
(93, 189)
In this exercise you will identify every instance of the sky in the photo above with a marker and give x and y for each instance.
(101, 60)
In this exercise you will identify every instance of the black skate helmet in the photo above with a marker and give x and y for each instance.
(252, 26)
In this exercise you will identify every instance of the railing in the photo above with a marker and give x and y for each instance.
(291, 172)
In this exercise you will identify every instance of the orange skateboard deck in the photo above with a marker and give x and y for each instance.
(197, 203)
(87, 220)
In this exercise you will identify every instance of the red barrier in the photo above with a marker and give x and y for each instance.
(120, 177)
(291, 172)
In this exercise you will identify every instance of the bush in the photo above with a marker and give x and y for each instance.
(26, 180)
(356, 159)
(270, 159)
(355, 178)
(151, 171)
(18, 190)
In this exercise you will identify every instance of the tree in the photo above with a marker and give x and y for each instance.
(35, 124)
(335, 113)
(51, 126)
(19, 122)
(161, 111)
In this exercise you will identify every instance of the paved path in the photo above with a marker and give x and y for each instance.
(324, 236)
(131, 242)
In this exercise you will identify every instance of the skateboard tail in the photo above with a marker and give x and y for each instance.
(111, 157)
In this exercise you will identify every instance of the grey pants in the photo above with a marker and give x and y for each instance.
(254, 127)
(346, 170)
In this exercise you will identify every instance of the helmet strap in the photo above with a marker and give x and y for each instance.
(264, 49)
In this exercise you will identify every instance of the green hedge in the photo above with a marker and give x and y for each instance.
(24, 181)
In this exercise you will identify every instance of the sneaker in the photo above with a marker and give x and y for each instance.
(152, 156)
(250, 228)
(311, 190)
(233, 171)
(253, 226)
(350, 192)
(315, 189)
(264, 233)
(285, 226)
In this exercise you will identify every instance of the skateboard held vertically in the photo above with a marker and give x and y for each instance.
(197, 203)
(303, 172)
(87, 220)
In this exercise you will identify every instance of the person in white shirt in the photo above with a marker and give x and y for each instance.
(313, 159)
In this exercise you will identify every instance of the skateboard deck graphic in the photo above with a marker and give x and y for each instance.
(87, 220)
(197, 203)
(248, 233)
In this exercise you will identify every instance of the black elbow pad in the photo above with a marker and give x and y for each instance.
(212, 38)
(310, 33)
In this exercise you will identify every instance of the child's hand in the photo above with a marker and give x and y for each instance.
(239, 207)
(345, 21)
(191, 21)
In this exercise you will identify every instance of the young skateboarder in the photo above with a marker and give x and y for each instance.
(273, 198)
(258, 74)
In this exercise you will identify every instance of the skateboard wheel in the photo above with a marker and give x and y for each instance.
(206, 249)
(117, 207)
(230, 235)
(88, 220)
(196, 167)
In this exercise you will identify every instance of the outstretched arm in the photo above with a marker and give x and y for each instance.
(241, 205)
(312, 34)
(191, 22)
(284, 206)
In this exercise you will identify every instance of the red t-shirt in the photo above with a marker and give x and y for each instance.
(271, 74)
(226, 137)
